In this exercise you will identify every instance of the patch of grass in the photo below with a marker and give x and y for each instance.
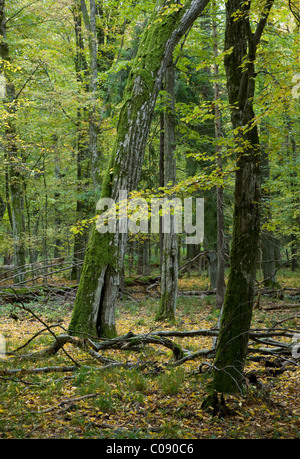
(171, 382)
(105, 402)
(188, 304)
(136, 382)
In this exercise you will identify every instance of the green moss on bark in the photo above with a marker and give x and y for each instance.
(238, 303)
(98, 255)
(108, 331)
(166, 308)
(233, 338)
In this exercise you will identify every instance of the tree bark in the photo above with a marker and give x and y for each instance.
(268, 241)
(94, 309)
(2, 208)
(15, 160)
(220, 287)
(84, 209)
(90, 24)
(161, 181)
(169, 272)
(237, 311)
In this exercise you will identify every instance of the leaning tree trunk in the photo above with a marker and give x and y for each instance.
(169, 270)
(237, 311)
(94, 309)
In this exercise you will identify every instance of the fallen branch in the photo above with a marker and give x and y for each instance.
(69, 401)
(131, 340)
(187, 333)
(194, 356)
(33, 338)
(58, 344)
(25, 371)
(285, 320)
(65, 368)
(196, 292)
(282, 306)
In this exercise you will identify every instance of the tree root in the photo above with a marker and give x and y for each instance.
(215, 404)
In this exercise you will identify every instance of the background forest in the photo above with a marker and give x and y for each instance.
(56, 177)
(64, 65)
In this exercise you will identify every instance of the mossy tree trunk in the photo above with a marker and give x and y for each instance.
(169, 271)
(237, 310)
(95, 304)
(89, 148)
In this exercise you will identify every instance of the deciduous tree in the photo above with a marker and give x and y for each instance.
(94, 309)
(241, 43)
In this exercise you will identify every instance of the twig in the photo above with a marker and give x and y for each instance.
(286, 319)
(33, 337)
(69, 401)
(47, 327)
(275, 271)
(20, 381)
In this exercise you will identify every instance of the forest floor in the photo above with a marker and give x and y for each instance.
(155, 401)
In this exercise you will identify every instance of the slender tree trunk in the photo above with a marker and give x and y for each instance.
(220, 291)
(91, 26)
(57, 213)
(169, 272)
(45, 228)
(95, 304)
(237, 310)
(16, 161)
(84, 209)
(295, 200)
(268, 258)
(83, 206)
(210, 196)
(268, 241)
(161, 182)
(210, 236)
(2, 208)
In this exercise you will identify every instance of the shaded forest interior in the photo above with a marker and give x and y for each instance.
(193, 321)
